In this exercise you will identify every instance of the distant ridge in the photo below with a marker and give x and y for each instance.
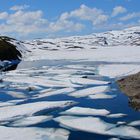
(126, 37)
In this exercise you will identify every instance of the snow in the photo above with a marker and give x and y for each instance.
(135, 123)
(102, 96)
(114, 139)
(96, 125)
(86, 111)
(33, 133)
(31, 121)
(87, 81)
(90, 91)
(116, 71)
(20, 47)
(29, 109)
(116, 61)
(89, 124)
(46, 93)
(118, 115)
(16, 94)
(60, 78)
(101, 54)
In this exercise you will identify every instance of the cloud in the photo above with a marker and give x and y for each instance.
(24, 17)
(31, 22)
(94, 15)
(19, 7)
(65, 25)
(27, 23)
(118, 10)
(66, 20)
(3, 15)
(24, 23)
(130, 16)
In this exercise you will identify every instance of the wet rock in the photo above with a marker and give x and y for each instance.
(130, 85)
(31, 89)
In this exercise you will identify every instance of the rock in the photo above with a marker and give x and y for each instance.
(8, 53)
(31, 89)
(130, 85)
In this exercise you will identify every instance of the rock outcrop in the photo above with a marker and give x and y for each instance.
(130, 85)
(9, 55)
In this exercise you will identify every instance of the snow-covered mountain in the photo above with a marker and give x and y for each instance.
(126, 37)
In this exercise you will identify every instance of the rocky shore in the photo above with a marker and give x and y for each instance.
(130, 85)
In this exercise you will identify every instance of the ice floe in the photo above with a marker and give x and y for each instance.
(51, 92)
(27, 121)
(90, 91)
(16, 94)
(117, 115)
(86, 111)
(84, 81)
(114, 139)
(102, 96)
(135, 123)
(96, 125)
(33, 133)
(118, 70)
(29, 109)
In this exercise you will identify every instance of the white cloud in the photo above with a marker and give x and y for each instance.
(3, 15)
(24, 23)
(96, 16)
(66, 25)
(118, 10)
(130, 16)
(24, 17)
(66, 22)
(19, 7)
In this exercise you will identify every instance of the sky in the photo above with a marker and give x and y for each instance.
(29, 19)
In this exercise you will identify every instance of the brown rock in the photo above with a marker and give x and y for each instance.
(130, 85)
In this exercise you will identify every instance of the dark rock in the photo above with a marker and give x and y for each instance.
(130, 85)
(85, 76)
(9, 52)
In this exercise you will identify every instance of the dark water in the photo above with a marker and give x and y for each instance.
(116, 105)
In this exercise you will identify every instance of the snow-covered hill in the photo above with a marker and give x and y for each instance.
(48, 48)
(126, 37)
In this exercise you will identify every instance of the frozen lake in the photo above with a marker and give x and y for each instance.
(66, 99)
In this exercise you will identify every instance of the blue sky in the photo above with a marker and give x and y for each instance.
(27, 19)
